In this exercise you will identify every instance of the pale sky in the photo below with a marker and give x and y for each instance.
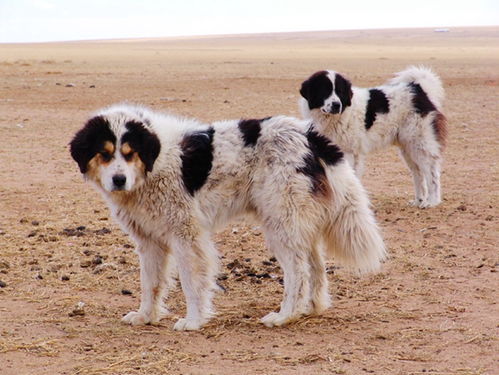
(57, 20)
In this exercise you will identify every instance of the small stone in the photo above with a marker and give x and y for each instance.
(78, 310)
(65, 278)
(462, 207)
(3, 284)
(103, 267)
(102, 231)
(85, 264)
(222, 277)
(35, 223)
(91, 86)
(70, 85)
(97, 260)
(126, 292)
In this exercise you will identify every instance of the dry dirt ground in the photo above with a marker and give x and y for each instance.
(433, 309)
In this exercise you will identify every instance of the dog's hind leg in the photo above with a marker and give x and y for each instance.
(197, 263)
(425, 167)
(320, 300)
(433, 183)
(293, 259)
(418, 176)
(155, 278)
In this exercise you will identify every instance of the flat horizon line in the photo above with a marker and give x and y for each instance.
(249, 34)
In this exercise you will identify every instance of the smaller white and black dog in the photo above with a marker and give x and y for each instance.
(405, 112)
(170, 182)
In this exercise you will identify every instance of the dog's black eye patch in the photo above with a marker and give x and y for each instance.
(250, 129)
(422, 104)
(197, 158)
(128, 156)
(90, 140)
(143, 141)
(343, 89)
(317, 89)
(106, 156)
(377, 103)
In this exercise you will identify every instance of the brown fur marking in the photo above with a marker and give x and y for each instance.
(440, 128)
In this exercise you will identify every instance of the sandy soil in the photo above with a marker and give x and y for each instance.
(433, 309)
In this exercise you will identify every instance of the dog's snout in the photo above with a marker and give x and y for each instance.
(336, 107)
(119, 180)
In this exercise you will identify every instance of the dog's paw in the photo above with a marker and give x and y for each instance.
(274, 319)
(420, 203)
(433, 202)
(136, 318)
(188, 325)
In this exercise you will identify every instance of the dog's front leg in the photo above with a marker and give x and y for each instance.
(155, 270)
(197, 263)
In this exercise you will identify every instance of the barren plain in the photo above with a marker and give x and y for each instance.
(433, 309)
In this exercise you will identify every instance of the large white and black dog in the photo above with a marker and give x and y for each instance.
(171, 181)
(405, 112)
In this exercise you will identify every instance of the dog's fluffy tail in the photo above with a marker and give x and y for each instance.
(352, 235)
(427, 79)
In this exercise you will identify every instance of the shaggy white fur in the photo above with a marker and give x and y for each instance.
(405, 112)
(310, 204)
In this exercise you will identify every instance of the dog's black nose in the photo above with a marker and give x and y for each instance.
(119, 180)
(335, 107)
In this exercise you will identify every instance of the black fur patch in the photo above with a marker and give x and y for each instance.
(197, 158)
(321, 148)
(317, 89)
(314, 170)
(90, 140)
(144, 142)
(422, 104)
(324, 148)
(250, 130)
(378, 103)
(343, 89)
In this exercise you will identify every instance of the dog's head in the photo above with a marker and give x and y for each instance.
(115, 151)
(327, 91)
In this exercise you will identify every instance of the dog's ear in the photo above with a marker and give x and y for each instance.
(316, 89)
(89, 140)
(343, 89)
(143, 141)
(305, 89)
